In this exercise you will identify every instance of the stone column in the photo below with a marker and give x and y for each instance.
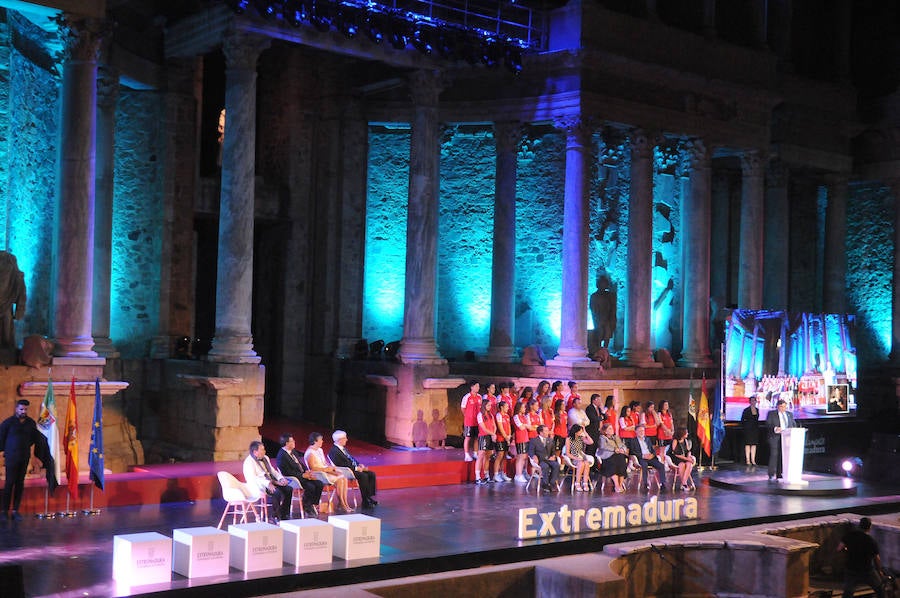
(73, 266)
(834, 279)
(576, 230)
(233, 341)
(777, 247)
(696, 243)
(750, 280)
(418, 343)
(107, 96)
(637, 351)
(503, 271)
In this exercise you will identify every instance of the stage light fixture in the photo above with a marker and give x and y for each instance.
(266, 8)
(320, 18)
(347, 22)
(399, 37)
(513, 60)
(391, 350)
(420, 41)
(490, 53)
(446, 45)
(374, 28)
(239, 6)
(295, 12)
(375, 349)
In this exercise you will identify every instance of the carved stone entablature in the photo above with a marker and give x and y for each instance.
(710, 107)
(878, 145)
(242, 50)
(667, 158)
(425, 87)
(777, 174)
(695, 155)
(642, 143)
(752, 163)
(612, 146)
(81, 37)
(507, 135)
(579, 130)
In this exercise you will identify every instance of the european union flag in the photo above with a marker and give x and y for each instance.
(95, 457)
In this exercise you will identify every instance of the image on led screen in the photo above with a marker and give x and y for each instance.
(807, 359)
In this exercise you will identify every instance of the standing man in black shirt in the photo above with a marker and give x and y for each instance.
(863, 561)
(18, 434)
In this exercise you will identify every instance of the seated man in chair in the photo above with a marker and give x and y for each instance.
(646, 455)
(341, 457)
(291, 464)
(543, 448)
(259, 473)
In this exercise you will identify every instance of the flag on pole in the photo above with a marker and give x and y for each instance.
(95, 456)
(72, 443)
(718, 420)
(49, 427)
(703, 432)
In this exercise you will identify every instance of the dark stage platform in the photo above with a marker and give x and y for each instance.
(424, 530)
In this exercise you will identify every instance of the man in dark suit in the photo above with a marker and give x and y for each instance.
(290, 463)
(340, 457)
(595, 416)
(777, 420)
(542, 448)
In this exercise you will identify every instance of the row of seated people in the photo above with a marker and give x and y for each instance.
(612, 456)
(310, 472)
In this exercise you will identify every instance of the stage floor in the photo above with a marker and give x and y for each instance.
(424, 530)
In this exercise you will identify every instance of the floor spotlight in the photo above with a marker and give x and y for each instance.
(391, 349)
(347, 23)
(374, 28)
(375, 349)
(490, 53)
(852, 467)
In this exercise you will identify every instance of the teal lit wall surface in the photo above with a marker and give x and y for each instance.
(30, 196)
(386, 201)
(539, 222)
(137, 223)
(870, 258)
(465, 241)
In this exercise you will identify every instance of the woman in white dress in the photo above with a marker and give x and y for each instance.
(315, 460)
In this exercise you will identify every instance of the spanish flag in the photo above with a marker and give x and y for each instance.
(703, 433)
(72, 443)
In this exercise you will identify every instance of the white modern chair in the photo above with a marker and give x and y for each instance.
(242, 500)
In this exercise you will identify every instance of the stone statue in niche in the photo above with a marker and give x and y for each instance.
(603, 312)
(37, 351)
(12, 305)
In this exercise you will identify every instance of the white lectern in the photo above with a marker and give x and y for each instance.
(793, 441)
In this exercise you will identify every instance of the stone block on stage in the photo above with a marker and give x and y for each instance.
(256, 546)
(307, 541)
(200, 551)
(356, 536)
(143, 558)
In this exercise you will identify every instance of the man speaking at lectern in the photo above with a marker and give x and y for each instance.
(776, 421)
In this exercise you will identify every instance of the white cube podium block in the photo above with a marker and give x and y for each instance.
(356, 536)
(256, 546)
(200, 551)
(143, 558)
(307, 541)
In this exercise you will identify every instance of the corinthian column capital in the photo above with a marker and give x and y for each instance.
(507, 135)
(81, 37)
(242, 50)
